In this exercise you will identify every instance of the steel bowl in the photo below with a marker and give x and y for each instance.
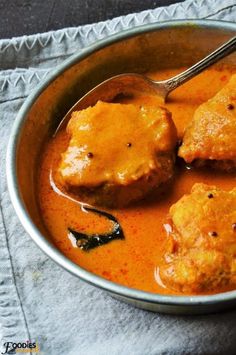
(161, 45)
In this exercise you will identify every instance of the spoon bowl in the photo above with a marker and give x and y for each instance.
(133, 84)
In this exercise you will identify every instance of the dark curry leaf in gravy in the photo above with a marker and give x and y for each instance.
(89, 241)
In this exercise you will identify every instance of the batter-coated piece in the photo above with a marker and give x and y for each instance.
(118, 153)
(211, 136)
(201, 247)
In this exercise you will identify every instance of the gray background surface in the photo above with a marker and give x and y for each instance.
(23, 17)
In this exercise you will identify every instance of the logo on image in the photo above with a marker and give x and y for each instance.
(11, 347)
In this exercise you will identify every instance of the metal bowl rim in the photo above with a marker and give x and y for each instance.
(25, 219)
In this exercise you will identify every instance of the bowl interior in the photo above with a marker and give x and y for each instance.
(141, 50)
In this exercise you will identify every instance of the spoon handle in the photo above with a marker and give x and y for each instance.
(212, 58)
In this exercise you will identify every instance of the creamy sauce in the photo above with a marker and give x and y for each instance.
(132, 262)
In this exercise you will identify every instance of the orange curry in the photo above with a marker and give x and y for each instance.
(133, 261)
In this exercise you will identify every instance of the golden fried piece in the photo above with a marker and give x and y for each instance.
(201, 247)
(118, 153)
(211, 135)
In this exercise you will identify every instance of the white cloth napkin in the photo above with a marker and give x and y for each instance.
(39, 301)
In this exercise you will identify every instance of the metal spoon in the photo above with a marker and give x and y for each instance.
(131, 83)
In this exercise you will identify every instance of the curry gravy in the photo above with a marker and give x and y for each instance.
(134, 261)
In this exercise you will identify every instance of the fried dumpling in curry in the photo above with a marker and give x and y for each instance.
(201, 247)
(210, 138)
(118, 153)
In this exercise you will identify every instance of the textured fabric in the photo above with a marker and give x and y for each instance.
(39, 300)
